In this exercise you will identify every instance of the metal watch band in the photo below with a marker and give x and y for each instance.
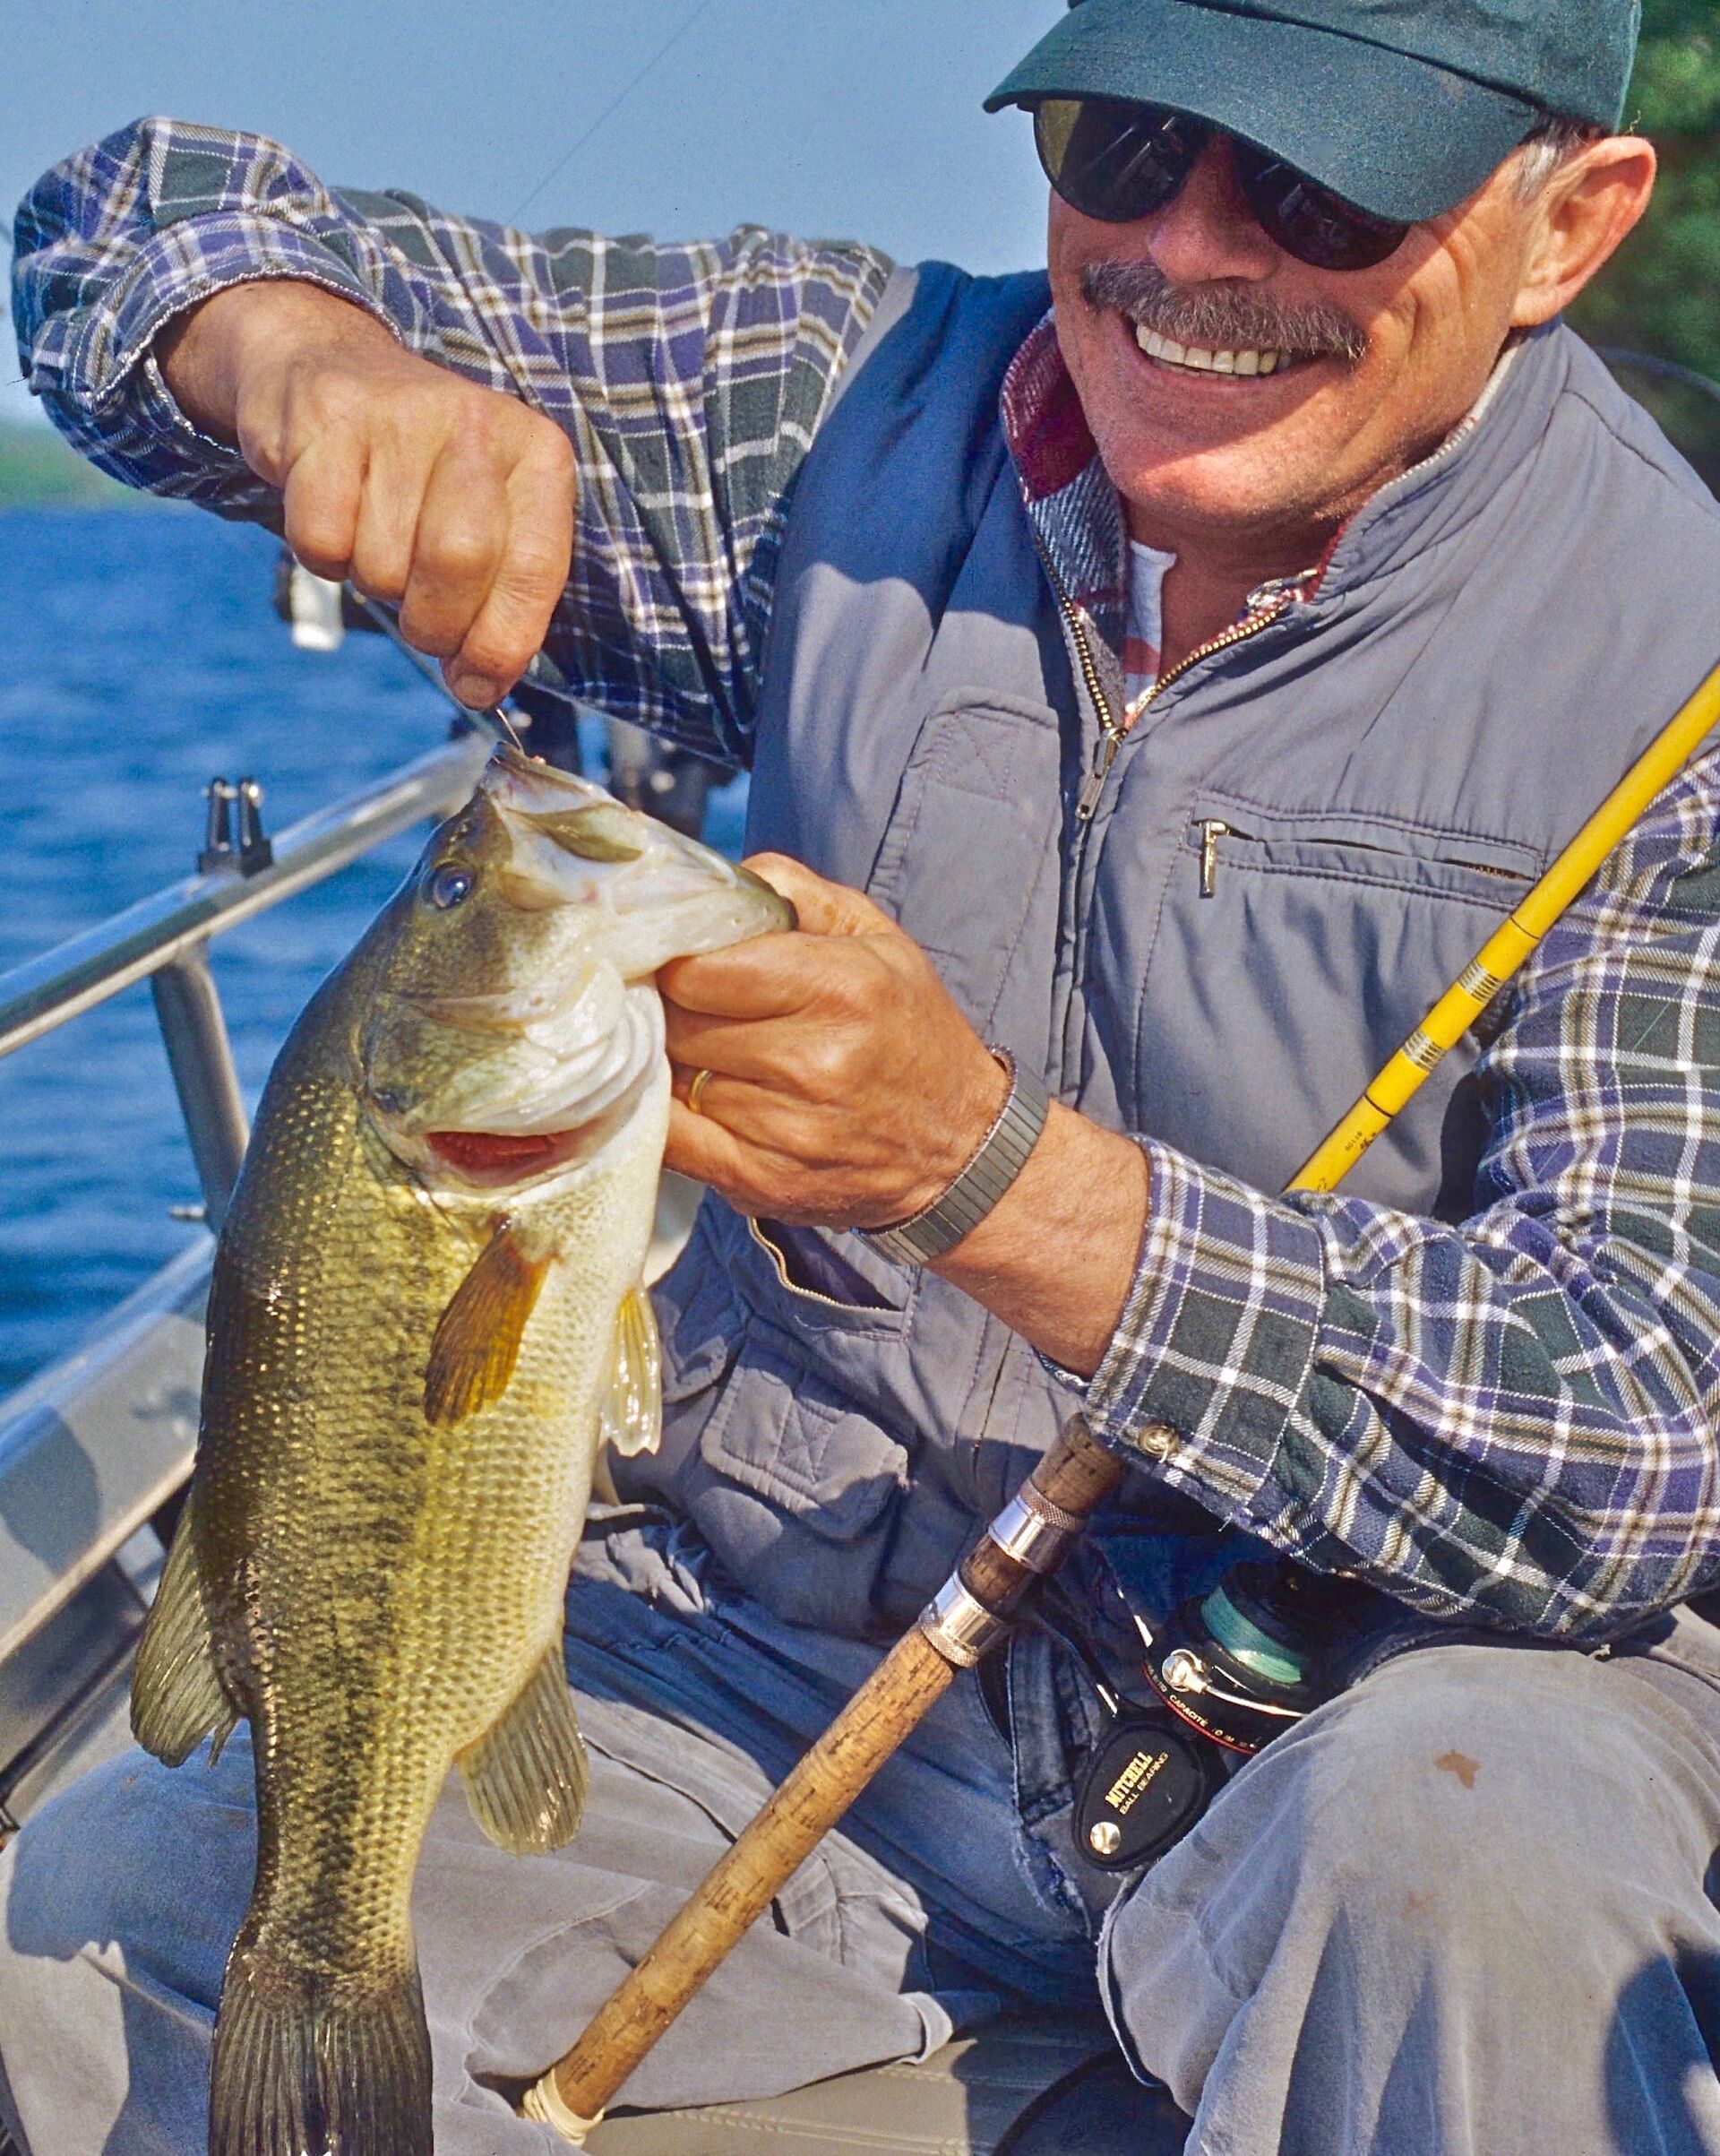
(1002, 1156)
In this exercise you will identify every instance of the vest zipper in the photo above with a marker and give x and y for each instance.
(780, 1265)
(1266, 605)
(1112, 734)
(1214, 828)
(1211, 829)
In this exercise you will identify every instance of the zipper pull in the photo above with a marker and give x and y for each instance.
(1104, 757)
(1211, 830)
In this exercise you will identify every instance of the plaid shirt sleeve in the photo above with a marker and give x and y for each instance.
(689, 378)
(1512, 1420)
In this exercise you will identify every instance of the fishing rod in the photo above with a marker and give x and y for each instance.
(1031, 1537)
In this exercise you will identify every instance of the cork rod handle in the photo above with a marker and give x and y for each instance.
(968, 1618)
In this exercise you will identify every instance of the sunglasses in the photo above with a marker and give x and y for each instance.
(1117, 162)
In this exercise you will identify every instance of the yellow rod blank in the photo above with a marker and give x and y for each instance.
(1512, 943)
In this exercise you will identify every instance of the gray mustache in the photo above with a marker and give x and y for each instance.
(1219, 318)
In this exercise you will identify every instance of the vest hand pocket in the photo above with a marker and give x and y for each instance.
(821, 1279)
(810, 1264)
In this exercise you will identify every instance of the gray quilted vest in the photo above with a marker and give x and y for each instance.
(1497, 637)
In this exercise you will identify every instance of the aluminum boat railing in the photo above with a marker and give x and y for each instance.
(164, 939)
(98, 1445)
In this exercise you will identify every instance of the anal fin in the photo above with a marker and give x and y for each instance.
(526, 1776)
(177, 1697)
(478, 1338)
(630, 1415)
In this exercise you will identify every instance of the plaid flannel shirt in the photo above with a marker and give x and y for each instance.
(1512, 1420)
(689, 378)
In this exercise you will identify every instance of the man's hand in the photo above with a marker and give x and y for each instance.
(453, 502)
(847, 1090)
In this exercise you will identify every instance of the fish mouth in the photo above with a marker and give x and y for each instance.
(502, 1159)
(495, 1157)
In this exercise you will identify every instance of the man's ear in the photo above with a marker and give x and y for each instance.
(1589, 206)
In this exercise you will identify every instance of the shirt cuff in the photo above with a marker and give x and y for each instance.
(1217, 1336)
(112, 376)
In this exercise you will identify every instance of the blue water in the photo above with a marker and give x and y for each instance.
(140, 656)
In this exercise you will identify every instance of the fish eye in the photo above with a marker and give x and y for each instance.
(450, 886)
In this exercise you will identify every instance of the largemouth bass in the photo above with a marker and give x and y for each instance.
(425, 1314)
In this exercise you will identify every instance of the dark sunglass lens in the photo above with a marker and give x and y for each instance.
(1312, 223)
(1114, 161)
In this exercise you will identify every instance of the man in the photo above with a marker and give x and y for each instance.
(1170, 691)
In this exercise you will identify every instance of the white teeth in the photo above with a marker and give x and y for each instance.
(1205, 362)
(1161, 348)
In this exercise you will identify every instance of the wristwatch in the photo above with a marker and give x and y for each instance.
(1003, 1155)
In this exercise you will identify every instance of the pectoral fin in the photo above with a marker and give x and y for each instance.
(476, 1342)
(630, 1415)
(177, 1697)
(525, 1779)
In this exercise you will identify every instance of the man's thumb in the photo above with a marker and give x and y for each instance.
(823, 908)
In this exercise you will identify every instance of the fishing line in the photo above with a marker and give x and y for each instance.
(620, 99)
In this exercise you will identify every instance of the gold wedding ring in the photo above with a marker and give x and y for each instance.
(696, 1091)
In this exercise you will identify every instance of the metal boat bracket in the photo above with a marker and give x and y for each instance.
(253, 852)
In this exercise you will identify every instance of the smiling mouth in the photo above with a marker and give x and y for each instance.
(1193, 359)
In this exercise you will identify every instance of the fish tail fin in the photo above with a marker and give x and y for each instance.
(293, 2072)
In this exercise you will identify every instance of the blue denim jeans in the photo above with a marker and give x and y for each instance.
(1460, 1911)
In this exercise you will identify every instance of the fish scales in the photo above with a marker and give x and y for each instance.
(413, 1333)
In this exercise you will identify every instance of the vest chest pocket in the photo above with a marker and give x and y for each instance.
(1229, 837)
(1295, 950)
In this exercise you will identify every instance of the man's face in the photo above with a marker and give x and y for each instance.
(1403, 350)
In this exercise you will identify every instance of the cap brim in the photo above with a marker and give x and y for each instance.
(1395, 135)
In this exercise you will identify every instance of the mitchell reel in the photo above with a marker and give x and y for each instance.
(1230, 1671)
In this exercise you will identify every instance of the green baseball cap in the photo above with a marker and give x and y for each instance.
(1401, 107)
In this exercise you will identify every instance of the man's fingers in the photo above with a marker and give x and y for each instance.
(740, 1048)
(700, 1147)
(388, 522)
(320, 503)
(825, 966)
(452, 503)
(740, 1104)
(767, 977)
(463, 529)
(717, 1145)
(784, 1059)
(530, 575)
